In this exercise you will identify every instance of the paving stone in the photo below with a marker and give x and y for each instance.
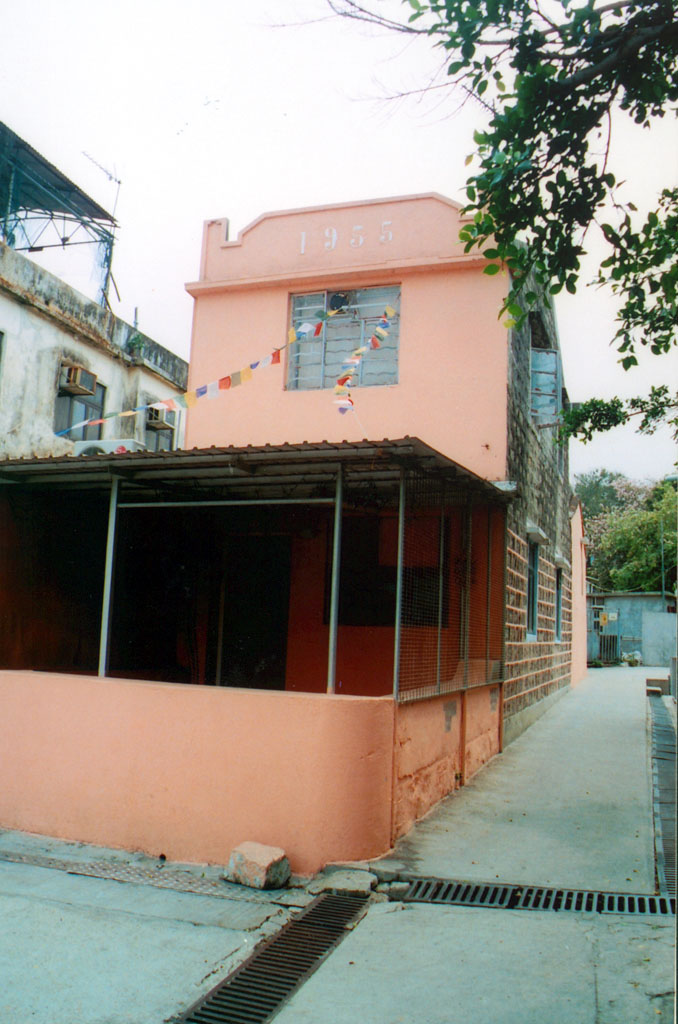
(393, 890)
(343, 880)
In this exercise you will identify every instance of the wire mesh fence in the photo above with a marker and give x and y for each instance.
(452, 575)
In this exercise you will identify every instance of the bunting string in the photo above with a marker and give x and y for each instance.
(345, 382)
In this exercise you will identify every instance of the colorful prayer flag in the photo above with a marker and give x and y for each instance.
(224, 383)
(245, 374)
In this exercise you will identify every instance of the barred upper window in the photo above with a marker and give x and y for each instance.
(316, 362)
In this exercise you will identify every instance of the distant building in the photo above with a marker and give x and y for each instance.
(621, 623)
(64, 359)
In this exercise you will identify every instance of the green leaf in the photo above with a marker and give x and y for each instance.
(491, 269)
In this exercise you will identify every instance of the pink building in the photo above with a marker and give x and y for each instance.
(314, 623)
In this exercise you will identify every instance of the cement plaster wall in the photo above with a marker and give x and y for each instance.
(192, 771)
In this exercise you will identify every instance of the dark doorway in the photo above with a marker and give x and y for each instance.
(255, 605)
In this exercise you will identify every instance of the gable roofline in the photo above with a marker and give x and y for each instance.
(322, 207)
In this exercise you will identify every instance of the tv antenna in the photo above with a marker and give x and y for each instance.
(109, 174)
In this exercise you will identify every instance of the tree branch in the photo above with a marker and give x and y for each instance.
(629, 46)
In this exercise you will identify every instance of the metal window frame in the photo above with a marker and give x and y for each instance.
(292, 375)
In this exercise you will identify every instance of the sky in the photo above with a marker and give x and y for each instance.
(220, 108)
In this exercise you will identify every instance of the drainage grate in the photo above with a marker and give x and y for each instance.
(258, 988)
(499, 896)
(664, 785)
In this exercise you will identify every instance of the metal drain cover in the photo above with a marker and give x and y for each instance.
(498, 896)
(259, 987)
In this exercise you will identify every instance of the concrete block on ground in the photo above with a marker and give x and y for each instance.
(659, 685)
(346, 880)
(258, 866)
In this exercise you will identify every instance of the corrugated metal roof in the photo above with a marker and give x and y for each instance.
(309, 466)
(41, 185)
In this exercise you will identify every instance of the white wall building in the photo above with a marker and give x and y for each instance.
(63, 359)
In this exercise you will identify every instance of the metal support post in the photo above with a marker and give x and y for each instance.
(399, 586)
(468, 533)
(108, 578)
(441, 563)
(334, 594)
(488, 593)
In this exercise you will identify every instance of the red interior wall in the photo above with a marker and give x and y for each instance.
(364, 653)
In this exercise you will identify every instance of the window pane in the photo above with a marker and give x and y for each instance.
(544, 370)
(532, 585)
(559, 603)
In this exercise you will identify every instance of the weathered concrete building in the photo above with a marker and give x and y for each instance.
(65, 359)
(314, 624)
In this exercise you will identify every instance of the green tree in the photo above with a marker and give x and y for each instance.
(598, 491)
(631, 544)
(550, 74)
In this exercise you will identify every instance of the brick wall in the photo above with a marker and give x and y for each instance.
(536, 668)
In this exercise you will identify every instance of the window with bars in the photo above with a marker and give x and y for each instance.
(316, 361)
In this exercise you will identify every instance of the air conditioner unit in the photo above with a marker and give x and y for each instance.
(160, 419)
(115, 446)
(76, 380)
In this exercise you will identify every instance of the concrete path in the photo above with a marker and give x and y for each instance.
(80, 949)
(568, 804)
(412, 964)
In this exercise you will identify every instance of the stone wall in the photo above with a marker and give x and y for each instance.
(539, 667)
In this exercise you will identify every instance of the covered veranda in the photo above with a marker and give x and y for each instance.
(364, 581)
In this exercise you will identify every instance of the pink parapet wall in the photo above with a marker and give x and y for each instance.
(452, 360)
(192, 771)
(440, 744)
